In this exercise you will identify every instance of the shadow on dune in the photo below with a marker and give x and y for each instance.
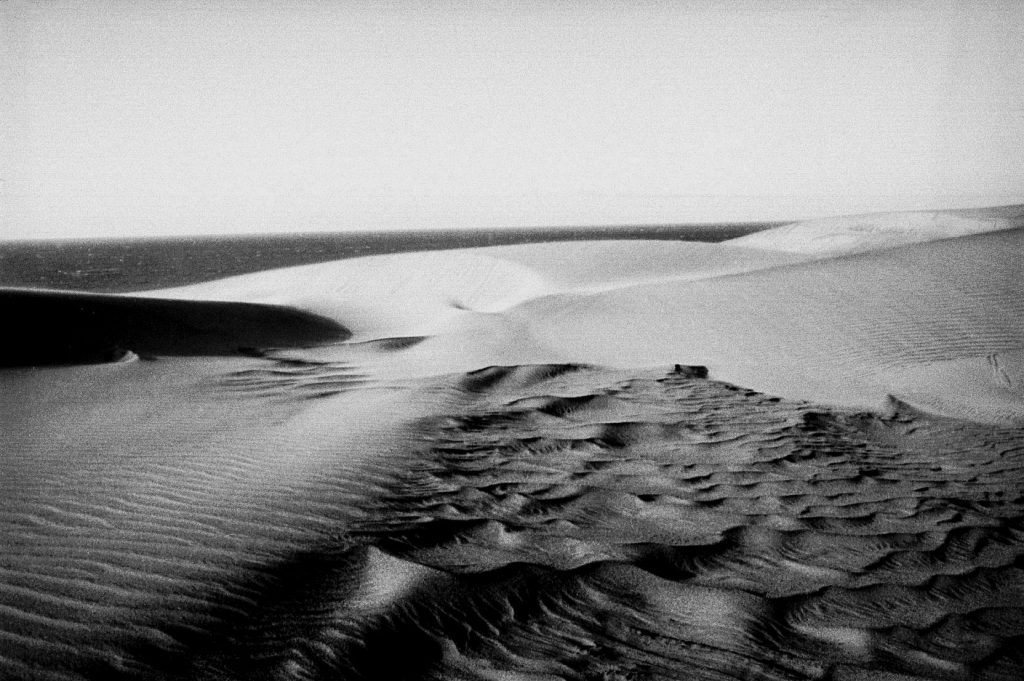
(55, 327)
(557, 522)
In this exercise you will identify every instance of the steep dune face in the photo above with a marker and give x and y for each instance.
(61, 327)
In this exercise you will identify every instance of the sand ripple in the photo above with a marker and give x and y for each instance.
(541, 522)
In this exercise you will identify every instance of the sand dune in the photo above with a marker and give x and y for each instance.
(55, 327)
(422, 293)
(615, 460)
(858, 233)
(846, 329)
(533, 522)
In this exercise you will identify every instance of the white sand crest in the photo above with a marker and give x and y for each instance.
(915, 322)
(859, 233)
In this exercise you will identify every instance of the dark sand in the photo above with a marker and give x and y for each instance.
(54, 327)
(546, 522)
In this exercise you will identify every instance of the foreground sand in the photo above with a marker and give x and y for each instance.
(836, 495)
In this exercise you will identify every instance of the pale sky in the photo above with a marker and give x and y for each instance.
(151, 118)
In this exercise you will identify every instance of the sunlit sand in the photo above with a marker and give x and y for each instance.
(794, 455)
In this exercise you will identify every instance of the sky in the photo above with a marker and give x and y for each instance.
(172, 118)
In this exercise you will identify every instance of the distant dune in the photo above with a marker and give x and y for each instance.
(855, 233)
(794, 455)
(124, 265)
(822, 324)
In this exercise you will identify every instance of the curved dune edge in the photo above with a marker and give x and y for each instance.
(848, 329)
(421, 293)
(62, 327)
(457, 491)
(859, 233)
(541, 521)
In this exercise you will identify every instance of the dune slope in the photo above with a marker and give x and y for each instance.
(624, 460)
(56, 327)
(848, 330)
(557, 522)
(832, 326)
(923, 322)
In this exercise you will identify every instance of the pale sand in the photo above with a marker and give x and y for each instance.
(843, 329)
(389, 507)
(858, 233)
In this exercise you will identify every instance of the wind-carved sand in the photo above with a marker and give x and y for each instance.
(608, 460)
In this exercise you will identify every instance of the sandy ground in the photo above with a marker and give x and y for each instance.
(797, 455)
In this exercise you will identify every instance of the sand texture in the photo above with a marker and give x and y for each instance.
(849, 329)
(615, 460)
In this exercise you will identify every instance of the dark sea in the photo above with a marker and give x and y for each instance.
(121, 265)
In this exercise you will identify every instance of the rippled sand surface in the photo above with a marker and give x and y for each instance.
(578, 461)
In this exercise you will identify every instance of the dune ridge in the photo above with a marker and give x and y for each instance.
(846, 330)
(64, 327)
(540, 521)
(843, 328)
(859, 233)
(616, 460)
(422, 293)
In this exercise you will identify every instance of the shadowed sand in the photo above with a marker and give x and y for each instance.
(515, 469)
(54, 327)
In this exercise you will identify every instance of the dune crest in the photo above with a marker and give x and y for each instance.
(858, 233)
(405, 294)
(552, 521)
(845, 331)
(848, 329)
(411, 294)
(64, 327)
